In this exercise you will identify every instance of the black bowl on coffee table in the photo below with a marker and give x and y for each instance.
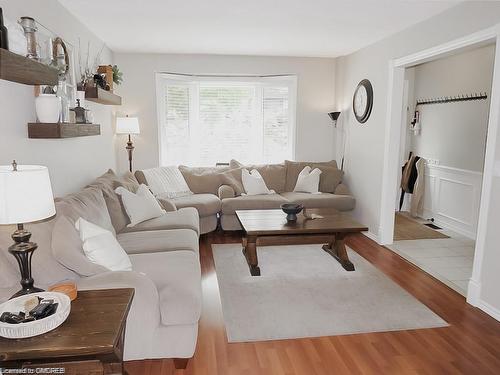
(291, 210)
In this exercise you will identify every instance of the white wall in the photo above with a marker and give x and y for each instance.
(315, 97)
(72, 162)
(454, 134)
(365, 153)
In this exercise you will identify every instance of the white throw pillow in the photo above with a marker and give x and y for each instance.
(167, 181)
(253, 183)
(308, 181)
(140, 206)
(101, 247)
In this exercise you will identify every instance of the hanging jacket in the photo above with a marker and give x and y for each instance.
(410, 174)
(417, 199)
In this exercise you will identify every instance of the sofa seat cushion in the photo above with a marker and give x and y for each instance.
(155, 241)
(323, 200)
(177, 277)
(184, 218)
(206, 204)
(252, 202)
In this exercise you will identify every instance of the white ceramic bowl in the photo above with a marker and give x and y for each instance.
(37, 327)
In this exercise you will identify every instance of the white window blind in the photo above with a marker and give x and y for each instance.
(207, 120)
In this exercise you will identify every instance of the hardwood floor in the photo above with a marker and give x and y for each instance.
(470, 345)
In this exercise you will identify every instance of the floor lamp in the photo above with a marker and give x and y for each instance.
(128, 125)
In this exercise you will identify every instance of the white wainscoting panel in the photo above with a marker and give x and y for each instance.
(452, 198)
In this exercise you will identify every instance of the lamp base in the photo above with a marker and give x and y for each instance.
(31, 290)
(130, 148)
(23, 250)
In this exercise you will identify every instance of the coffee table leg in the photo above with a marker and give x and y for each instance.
(250, 252)
(336, 248)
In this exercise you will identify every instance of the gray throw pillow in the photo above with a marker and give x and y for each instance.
(232, 178)
(67, 249)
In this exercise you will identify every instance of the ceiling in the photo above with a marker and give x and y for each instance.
(319, 28)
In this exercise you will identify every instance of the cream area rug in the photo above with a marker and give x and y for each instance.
(304, 292)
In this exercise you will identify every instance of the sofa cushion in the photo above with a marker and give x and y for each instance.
(155, 241)
(323, 200)
(108, 182)
(308, 180)
(67, 249)
(202, 180)
(89, 204)
(252, 202)
(167, 181)
(330, 177)
(177, 277)
(233, 178)
(101, 247)
(184, 218)
(206, 204)
(140, 206)
(8, 275)
(253, 183)
(273, 174)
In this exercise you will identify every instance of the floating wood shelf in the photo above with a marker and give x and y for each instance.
(62, 130)
(20, 69)
(98, 95)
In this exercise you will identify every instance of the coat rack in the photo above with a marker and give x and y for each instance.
(451, 99)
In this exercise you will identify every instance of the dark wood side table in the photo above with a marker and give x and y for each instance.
(89, 342)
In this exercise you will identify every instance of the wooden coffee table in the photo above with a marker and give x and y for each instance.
(269, 227)
(90, 341)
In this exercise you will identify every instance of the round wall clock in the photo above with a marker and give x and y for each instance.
(362, 101)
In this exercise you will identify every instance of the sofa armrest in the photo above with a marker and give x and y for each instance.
(226, 191)
(342, 189)
(167, 204)
(144, 317)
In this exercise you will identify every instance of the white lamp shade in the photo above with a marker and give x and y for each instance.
(25, 194)
(127, 125)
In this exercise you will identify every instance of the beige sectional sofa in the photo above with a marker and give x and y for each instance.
(163, 319)
(218, 191)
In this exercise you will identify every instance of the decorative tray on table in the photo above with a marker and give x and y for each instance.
(33, 314)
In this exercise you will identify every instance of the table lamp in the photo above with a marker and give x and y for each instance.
(25, 197)
(128, 125)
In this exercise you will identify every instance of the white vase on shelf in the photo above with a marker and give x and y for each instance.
(48, 108)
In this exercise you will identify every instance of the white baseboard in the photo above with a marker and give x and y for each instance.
(490, 310)
(372, 236)
(474, 298)
(448, 224)
(473, 292)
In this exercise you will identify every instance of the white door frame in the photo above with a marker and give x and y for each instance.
(393, 141)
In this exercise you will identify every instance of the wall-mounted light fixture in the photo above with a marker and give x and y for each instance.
(334, 116)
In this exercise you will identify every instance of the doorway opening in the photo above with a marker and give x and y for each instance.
(401, 109)
(443, 140)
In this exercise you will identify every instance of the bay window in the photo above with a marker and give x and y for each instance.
(208, 120)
